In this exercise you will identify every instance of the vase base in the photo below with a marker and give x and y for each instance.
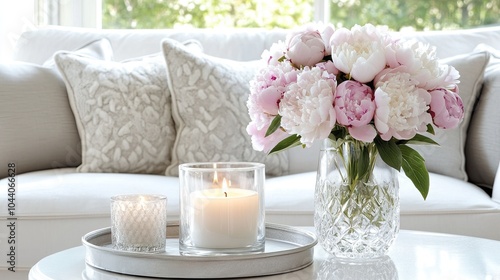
(356, 259)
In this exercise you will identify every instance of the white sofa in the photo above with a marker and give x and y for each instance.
(55, 204)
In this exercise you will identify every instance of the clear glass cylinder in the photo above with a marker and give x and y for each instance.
(356, 201)
(222, 208)
(139, 222)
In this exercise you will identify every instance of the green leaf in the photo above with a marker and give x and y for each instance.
(389, 152)
(275, 124)
(421, 139)
(289, 142)
(414, 168)
(430, 129)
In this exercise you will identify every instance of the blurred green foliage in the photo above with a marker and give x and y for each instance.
(396, 14)
(204, 13)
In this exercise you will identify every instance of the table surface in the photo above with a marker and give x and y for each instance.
(414, 255)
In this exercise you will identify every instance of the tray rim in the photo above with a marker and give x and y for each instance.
(306, 247)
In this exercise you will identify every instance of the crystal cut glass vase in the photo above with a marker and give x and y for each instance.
(356, 201)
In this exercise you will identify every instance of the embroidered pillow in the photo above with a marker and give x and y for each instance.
(209, 98)
(122, 111)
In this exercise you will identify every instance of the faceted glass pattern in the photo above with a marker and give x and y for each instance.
(357, 224)
(139, 222)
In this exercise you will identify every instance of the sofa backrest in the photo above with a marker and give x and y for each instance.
(237, 44)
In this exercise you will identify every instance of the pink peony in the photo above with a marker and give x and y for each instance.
(269, 85)
(326, 32)
(305, 48)
(355, 108)
(274, 54)
(447, 109)
(328, 66)
(258, 131)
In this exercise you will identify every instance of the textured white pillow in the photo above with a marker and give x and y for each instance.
(449, 157)
(122, 113)
(209, 98)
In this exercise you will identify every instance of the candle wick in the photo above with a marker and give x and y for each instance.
(225, 193)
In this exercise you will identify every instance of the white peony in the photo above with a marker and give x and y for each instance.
(401, 105)
(420, 60)
(307, 107)
(359, 52)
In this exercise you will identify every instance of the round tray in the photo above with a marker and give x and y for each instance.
(287, 249)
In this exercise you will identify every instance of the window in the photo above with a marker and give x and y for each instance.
(205, 13)
(416, 14)
(397, 14)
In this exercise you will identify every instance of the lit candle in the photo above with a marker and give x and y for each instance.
(138, 222)
(224, 217)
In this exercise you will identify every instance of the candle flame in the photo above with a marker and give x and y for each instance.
(224, 184)
(216, 179)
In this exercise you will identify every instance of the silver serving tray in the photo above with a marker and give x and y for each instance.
(287, 249)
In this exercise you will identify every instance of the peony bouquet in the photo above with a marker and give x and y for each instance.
(361, 84)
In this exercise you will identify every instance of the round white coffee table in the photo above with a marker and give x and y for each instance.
(415, 255)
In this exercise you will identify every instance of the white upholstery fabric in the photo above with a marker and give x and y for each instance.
(238, 44)
(483, 145)
(39, 121)
(100, 48)
(33, 100)
(289, 199)
(46, 210)
(496, 186)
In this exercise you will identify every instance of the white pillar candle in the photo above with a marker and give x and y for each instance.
(224, 217)
(221, 216)
(138, 222)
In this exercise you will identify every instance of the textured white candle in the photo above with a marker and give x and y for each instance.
(138, 222)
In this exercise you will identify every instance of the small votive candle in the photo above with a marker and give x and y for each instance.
(222, 208)
(139, 222)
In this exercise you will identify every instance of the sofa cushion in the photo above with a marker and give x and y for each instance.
(483, 144)
(209, 108)
(37, 128)
(122, 113)
(290, 200)
(449, 157)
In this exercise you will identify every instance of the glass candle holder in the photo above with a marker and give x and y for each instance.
(139, 222)
(222, 208)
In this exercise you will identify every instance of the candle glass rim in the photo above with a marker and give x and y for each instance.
(221, 166)
(150, 198)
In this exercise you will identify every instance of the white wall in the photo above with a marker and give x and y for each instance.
(15, 18)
